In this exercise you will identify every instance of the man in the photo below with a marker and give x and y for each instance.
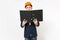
(30, 32)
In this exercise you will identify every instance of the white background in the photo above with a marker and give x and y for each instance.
(10, 28)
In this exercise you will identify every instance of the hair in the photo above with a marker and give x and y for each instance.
(28, 5)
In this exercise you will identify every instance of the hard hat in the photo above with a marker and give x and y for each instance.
(28, 4)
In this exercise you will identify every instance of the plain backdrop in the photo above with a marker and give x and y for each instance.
(10, 28)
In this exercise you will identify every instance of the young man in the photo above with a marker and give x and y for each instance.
(30, 32)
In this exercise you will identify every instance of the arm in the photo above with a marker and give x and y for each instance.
(23, 23)
(36, 22)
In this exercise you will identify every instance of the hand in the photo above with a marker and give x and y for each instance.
(35, 21)
(24, 21)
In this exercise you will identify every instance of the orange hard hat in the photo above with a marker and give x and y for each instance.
(28, 4)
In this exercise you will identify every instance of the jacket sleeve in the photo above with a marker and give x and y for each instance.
(21, 25)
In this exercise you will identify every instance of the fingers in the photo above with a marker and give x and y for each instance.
(35, 19)
(25, 20)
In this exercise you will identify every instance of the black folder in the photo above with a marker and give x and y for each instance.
(30, 15)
